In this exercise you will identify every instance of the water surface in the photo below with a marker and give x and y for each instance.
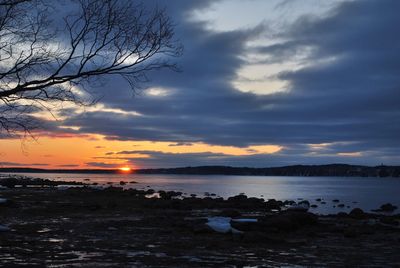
(366, 193)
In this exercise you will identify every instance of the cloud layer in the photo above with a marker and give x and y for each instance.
(345, 95)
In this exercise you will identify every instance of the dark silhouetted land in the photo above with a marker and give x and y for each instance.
(339, 170)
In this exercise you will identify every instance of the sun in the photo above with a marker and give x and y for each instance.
(125, 169)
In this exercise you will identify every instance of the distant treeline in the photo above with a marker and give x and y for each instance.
(40, 170)
(340, 170)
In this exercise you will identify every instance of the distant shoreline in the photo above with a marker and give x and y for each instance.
(332, 170)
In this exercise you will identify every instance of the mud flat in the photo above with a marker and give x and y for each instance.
(111, 227)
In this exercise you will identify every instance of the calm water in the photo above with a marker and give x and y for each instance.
(369, 193)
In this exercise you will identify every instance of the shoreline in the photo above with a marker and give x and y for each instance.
(328, 170)
(116, 227)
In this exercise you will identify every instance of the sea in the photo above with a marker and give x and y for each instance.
(366, 193)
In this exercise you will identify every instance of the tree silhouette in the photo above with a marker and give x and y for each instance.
(47, 58)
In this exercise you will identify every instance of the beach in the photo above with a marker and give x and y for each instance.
(85, 226)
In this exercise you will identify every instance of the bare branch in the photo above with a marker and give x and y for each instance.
(41, 64)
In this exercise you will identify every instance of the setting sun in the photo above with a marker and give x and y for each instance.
(125, 169)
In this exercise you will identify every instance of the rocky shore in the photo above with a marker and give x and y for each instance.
(111, 227)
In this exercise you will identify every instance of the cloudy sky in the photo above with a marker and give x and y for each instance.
(262, 83)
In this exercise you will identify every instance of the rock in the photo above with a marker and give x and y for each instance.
(220, 224)
(318, 199)
(288, 220)
(237, 198)
(122, 183)
(301, 206)
(323, 202)
(314, 206)
(256, 200)
(273, 204)
(388, 207)
(305, 202)
(341, 206)
(357, 213)
(342, 215)
(169, 195)
(289, 202)
(335, 200)
(150, 191)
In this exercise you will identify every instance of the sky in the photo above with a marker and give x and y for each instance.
(261, 84)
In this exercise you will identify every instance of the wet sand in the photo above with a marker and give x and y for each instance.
(84, 227)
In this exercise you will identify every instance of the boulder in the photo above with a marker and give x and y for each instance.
(342, 215)
(305, 203)
(388, 207)
(288, 221)
(237, 198)
(272, 204)
(289, 202)
(357, 213)
(301, 206)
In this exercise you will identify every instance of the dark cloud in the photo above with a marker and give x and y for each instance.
(100, 165)
(347, 94)
(68, 165)
(180, 144)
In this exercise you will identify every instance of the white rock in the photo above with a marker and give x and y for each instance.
(220, 224)
(223, 224)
